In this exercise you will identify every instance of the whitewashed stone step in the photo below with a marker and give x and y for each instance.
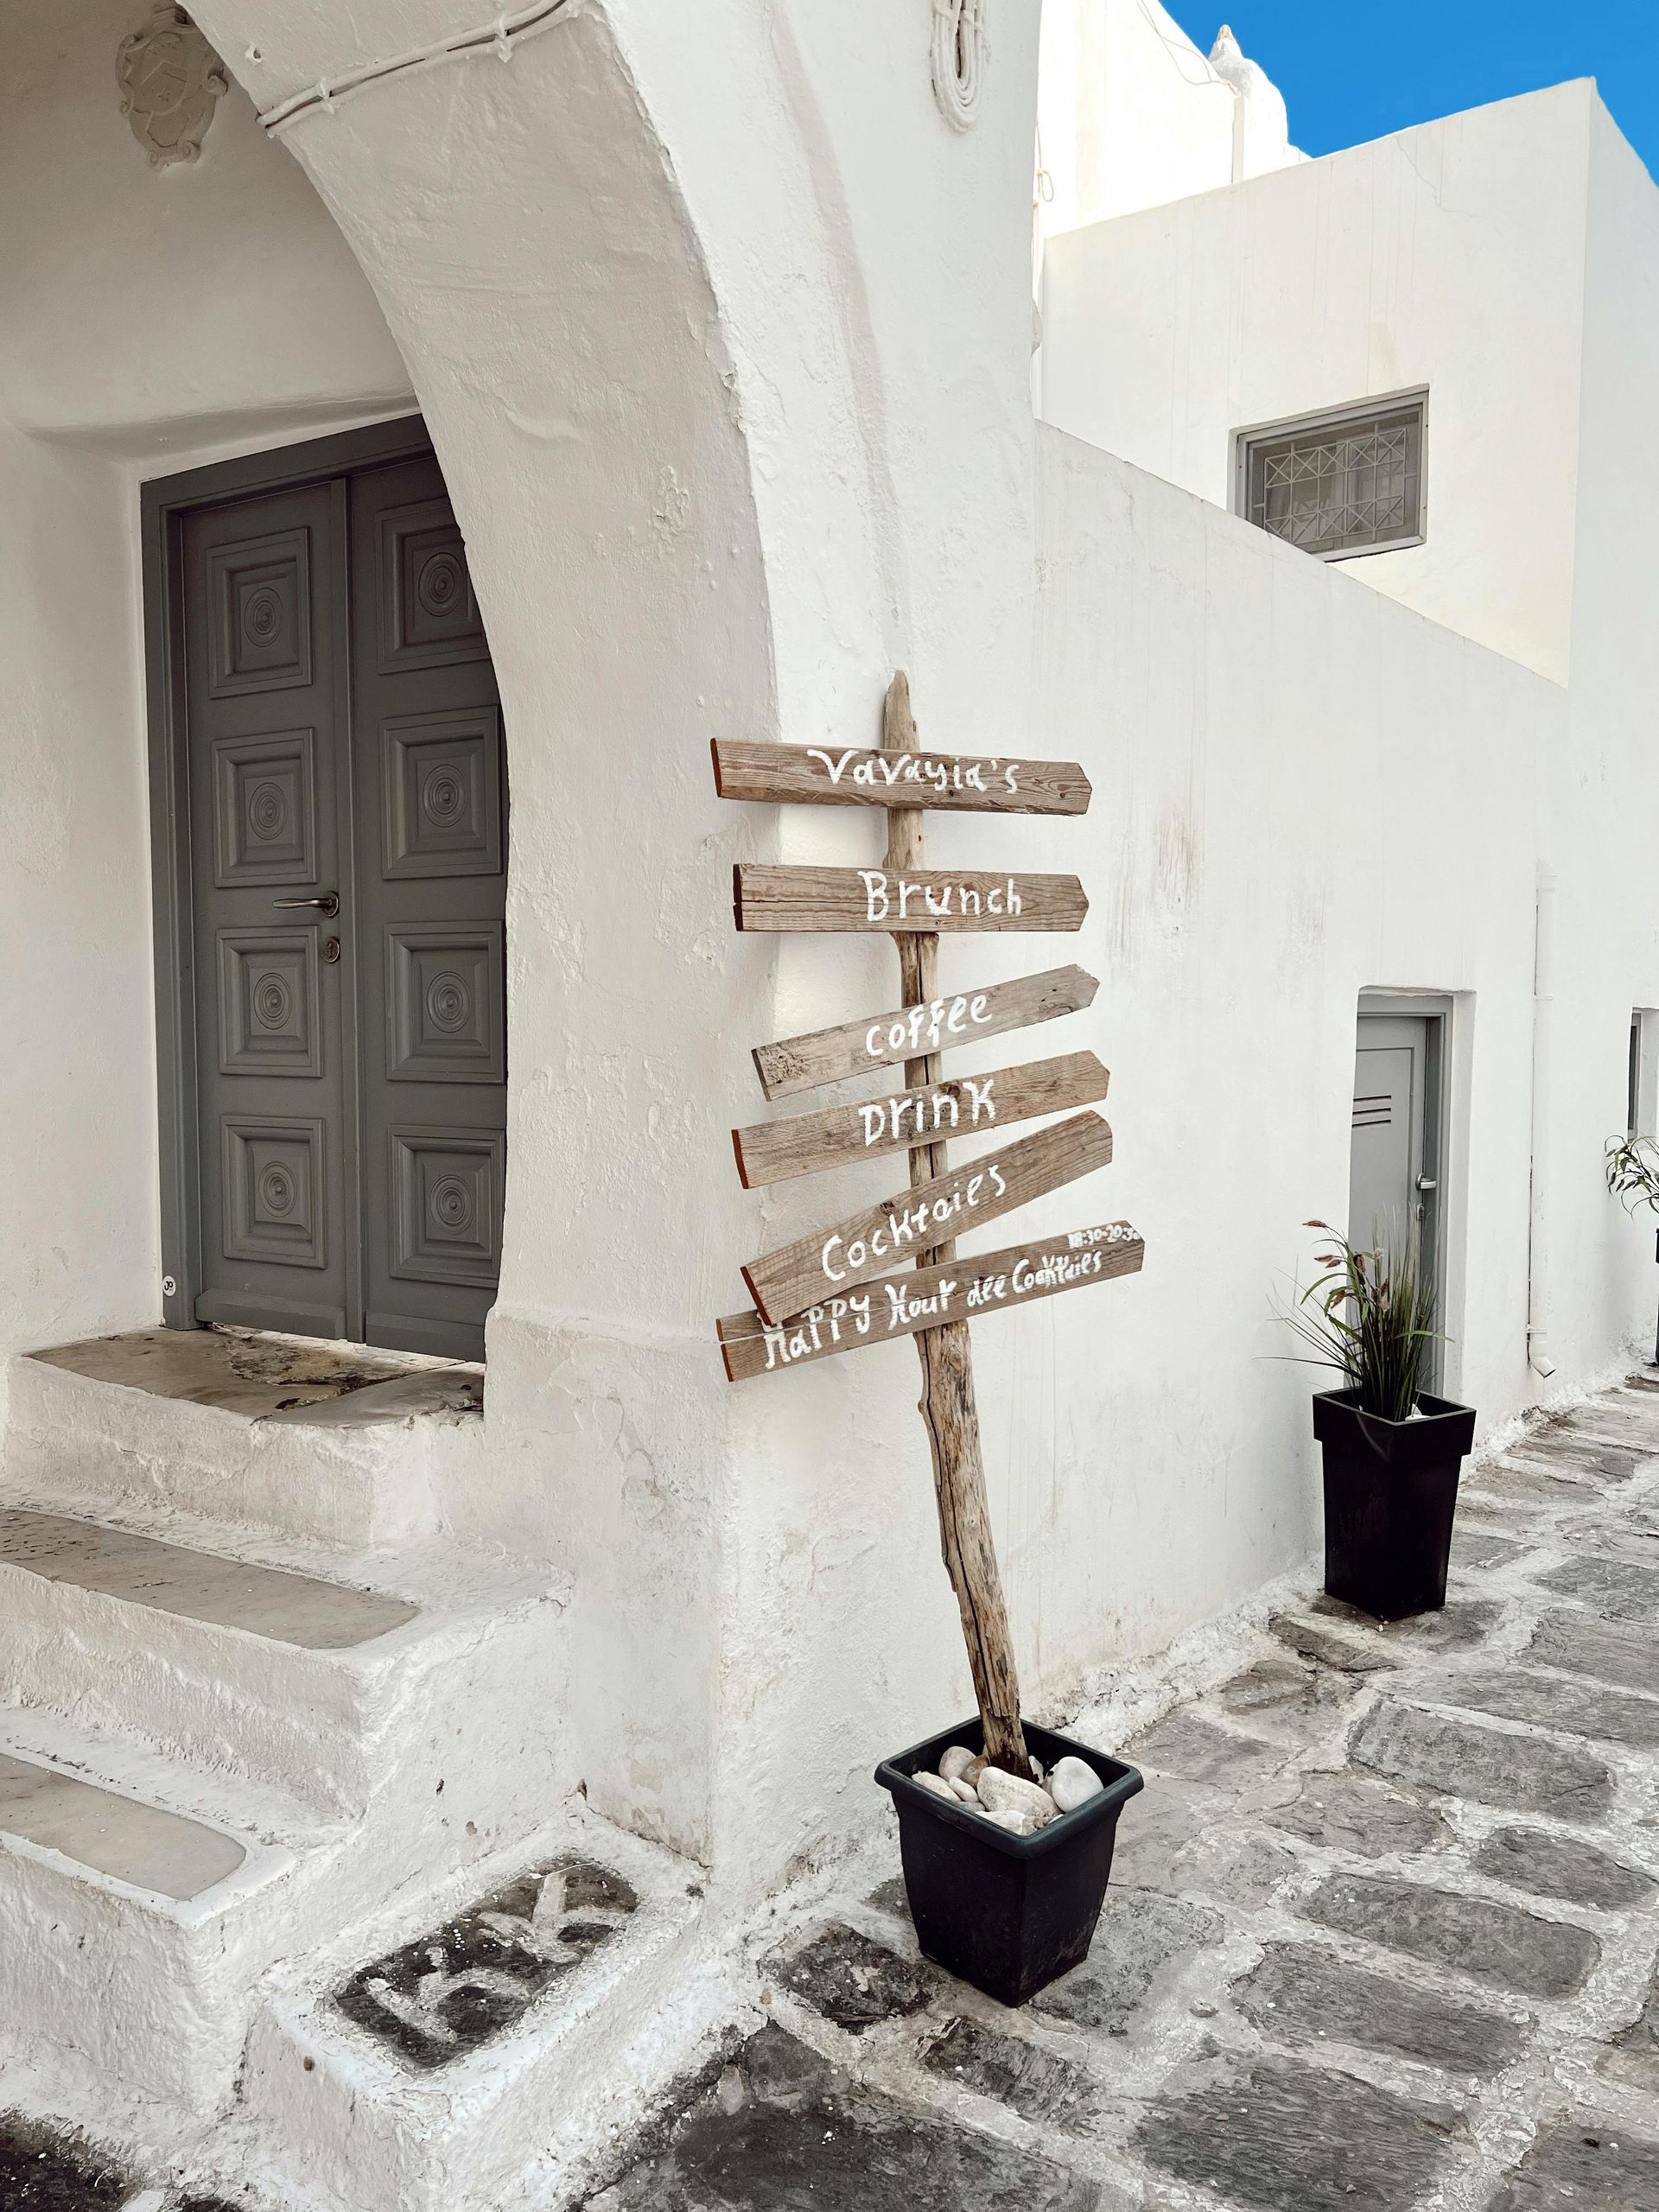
(141, 1845)
(288, 1608)
(72, 1439)
(139, 1905)
(565, 2025)
(270, 1670)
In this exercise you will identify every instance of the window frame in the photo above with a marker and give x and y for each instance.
(1334, 420)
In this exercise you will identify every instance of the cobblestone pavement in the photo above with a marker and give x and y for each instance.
(1380, 1934)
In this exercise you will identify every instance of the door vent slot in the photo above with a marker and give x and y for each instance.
(1373, 1113)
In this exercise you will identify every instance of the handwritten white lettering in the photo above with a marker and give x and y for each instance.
(937, 901)
(923, 1028)
(881, 771)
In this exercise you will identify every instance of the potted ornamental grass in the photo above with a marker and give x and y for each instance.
(1393, 1451)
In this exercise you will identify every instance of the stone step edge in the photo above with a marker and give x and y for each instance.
(447, 1582)
(268, 1857)
(266, 1819)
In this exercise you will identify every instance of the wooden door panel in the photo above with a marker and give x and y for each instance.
(430, 949)
(337, 737)
(264, 672)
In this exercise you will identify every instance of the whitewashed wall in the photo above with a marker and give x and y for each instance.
(1131, 113)
(146, 321)
(1451, 257)
(723, 336)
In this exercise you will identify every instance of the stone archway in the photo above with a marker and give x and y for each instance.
(723, 335)
(534, 261)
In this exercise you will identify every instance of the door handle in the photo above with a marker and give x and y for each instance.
(328, 903)
(1427, 1183)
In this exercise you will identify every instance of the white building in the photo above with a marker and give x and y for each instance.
(719, 323)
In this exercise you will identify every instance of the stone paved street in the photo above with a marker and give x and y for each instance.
(1380, 1934)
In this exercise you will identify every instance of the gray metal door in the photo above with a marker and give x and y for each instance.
(1393, 1171)
(346, 857)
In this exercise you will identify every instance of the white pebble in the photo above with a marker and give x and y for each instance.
(956, 1762)
(1009, 1793)
(1015, 1823)
(932, 1783)
(965, 1792)
(1072, 1783)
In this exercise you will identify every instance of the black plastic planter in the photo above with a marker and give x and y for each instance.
(1008, 1913)
(1390, 1494)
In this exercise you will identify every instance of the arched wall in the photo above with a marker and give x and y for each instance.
(723, 335)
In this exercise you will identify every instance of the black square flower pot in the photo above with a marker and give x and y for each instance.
(1390, 1496)
(1008, 1913)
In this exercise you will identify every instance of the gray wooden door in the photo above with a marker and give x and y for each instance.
(346, 858)
(1395, 1174)
(1386, 1155)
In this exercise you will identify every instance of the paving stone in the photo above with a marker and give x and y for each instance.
(891, 1897)
(1633, 2055)
(1155, 1834)
(1166, 1842)
(42, 2173)
(1187, 1746)
(1297, 1703)
(1580, 1645)
(1586, 2165)
(1038, 2084)
(1286, 2137)
(851, 1979)
(1517, 1773)
(1459, 1625)
(1519, 1481)
(1348, 1654)
(472, 1980)
(1141, 1945)
(1346, 1812)
(1601, 1457)
(1496, 1943)
(1613, 1587)
(1301, 1994)
(1242, 1870)
(1551, 1866)
(1480, 1548)
(1545, 1702)
(779, 2131)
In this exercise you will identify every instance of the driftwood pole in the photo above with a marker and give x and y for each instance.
(948, 1405)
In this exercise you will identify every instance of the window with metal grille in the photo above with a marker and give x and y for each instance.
(1340, 484)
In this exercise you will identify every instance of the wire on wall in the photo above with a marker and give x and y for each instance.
(498, 35)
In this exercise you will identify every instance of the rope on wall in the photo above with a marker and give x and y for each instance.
(958, 59)
(498, 34)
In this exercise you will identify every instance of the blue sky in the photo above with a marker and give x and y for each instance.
(1350, 72)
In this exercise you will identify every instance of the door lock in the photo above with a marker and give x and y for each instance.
(328, 903)
(331, 950)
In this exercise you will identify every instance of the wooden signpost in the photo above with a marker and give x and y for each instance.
(841, 1289)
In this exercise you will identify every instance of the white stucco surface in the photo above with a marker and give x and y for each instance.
(723, 337)
(1450, 258)
(1131, 113)
(150, 320)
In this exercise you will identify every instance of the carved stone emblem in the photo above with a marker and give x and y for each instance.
(440, 1998)
(170, 81)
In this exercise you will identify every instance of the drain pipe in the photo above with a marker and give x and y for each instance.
(1543, 1002)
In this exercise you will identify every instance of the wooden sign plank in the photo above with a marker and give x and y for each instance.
(836, 775)
(900, 1306)
(884, 1237)
(771, 897)
(771, 1152)
(829, 1055)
